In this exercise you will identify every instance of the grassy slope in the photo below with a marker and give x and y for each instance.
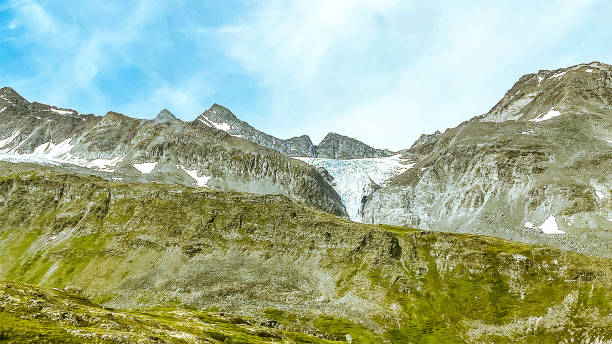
(32, 315)
(267, 257)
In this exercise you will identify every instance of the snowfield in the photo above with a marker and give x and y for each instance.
(146, 167)
(200, 181)
(550, 226)
(551, 114)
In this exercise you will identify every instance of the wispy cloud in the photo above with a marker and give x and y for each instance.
(382, 71)
(407, 67)
(10, 4)
(77, 55)
(93, 56)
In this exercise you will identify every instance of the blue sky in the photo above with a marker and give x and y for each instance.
(382, 71)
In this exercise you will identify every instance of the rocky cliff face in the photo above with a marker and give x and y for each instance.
(279, 262)
(161, 150)
(333, 146)
(423, 145)
(535, 168)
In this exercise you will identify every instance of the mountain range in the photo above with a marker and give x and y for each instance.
(116, 229)
(540, 156)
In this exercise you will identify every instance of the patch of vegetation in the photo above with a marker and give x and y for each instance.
(33, 315)
(343, 329)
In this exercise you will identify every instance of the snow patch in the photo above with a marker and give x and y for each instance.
(589, 70)
(51, 270)
(221, 126)
(558, 75)
(201, 120)
(540, 80)
(50, 153)
(63, 112)
(550, 114)
(600, 195)
(53, 151)
(550, 226)
(528, 224)
(146, 167)
(104, 164)
(17, 158)
(4, 108)
(9, 139)
(200, 181)
(46, 154)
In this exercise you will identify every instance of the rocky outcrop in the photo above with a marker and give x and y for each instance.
(423, 145)
(165, 116)
(536, 168)
(584, 88)
(222, 118)
(38, 315)
(333, 146)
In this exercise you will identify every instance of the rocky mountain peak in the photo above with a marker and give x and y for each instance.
(112, 117)
(220, 112)
(165, 116)
(425, 139)
(303, 139)
(9, 95)
(331, 136)
(338, 146)
(222, 118)
(333, 145)
(550, 93)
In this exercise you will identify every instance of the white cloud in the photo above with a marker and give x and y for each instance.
(12, 4)
(181, 100)
(385, 72)
(382, 71)
(296, 37)
(36, 19)
(76, 53)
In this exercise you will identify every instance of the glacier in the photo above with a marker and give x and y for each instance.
(355, 179)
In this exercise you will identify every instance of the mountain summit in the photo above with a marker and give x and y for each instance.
(165, 116)
(583, 88)
(333, 146)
